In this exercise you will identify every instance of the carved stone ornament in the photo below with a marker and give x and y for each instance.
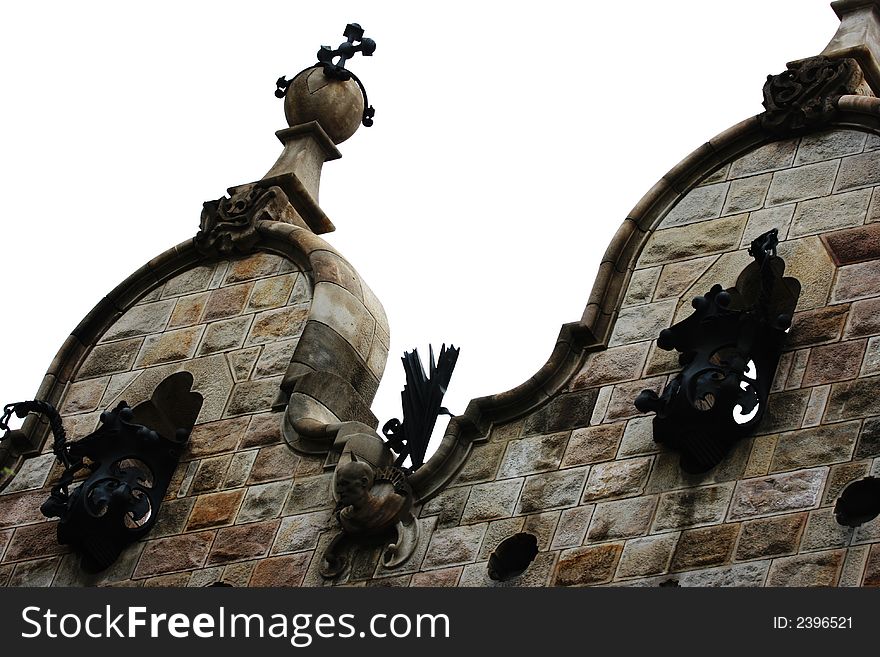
(228, 225)
(729, 349)
(373, 501)
(804, 97)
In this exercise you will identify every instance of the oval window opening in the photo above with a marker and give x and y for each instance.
(859, 503)
(512, 556)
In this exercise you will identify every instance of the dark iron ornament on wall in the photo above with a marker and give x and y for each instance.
(729, 349)
(128, 468)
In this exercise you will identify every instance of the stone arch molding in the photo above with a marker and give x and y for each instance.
(336, 364)
(594, 330)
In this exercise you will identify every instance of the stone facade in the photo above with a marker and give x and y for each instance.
(566, 457)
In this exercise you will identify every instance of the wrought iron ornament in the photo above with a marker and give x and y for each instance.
(805, 95)
(421, 397)
(729, 349)
(333, 63)
(129, 467)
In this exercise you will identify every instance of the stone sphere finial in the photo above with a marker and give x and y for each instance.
(337, 105)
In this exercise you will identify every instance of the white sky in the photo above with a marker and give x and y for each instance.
(510, 141)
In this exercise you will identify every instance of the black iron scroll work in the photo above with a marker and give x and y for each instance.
(421, 398)
(729, 348)
(129, 469)
(355, 43)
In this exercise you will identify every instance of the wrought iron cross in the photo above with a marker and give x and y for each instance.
(355, 43)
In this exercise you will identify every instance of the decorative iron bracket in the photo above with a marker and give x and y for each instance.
(729, 349)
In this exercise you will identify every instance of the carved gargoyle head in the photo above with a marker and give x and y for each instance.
(729, 349)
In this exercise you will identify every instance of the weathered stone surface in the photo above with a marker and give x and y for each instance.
(638, 438)
(226, 302)
(855, 244)
(840, 476)
(253, 396)
(263, 430)
(33, 473)
(642, 322)
(188, 310)
(288, 570)
(708, 546)
(692, 507)
(784, 411)
(834, 362)
(445, 577)
(864, 318)
(273, 325)
(271, 292)
(239, 574)
(215, 509)
(798, 369)
(808, 261)
(612, 365)
(166, 555)
(646, 556)
(622, 402)
(775, 155)
(491, 501)
(533, 454)
(823, 532)
(683, 242)
(84, 396)
(454, 546)
(830, 212)
(210, 473)
(34, 573)
(552, 490)
(617, 478)
(241, 542)
(668, 475)
(225, 335)
(621, 519)
(854, 566)
(677, 277)
(817, 446)
(447, 506)
(829, 144)
(33, 541)
(166, 581)
(661, 361)
(817, 326)
(770, 537)
(777, 494)
(71, 573)
(275, 358)
(242, 361)
(641, 286)
(21, 508)
(592, 444)
(853, 399)
(747, 194)
(170, 346)
(110, 358)
(192, 280)
(601, 406)
(804, 182)
(215, 437)
(743, 574)
(300, 532)
(587, 565)
(308, 494)
(816, 569)
(255, 266)
(482, 463)
(572, 527)
(760, 221)
(498, 531)
(240, 468)
(816, 406)
(140, 320)
(857, 281)
(699, 204)
(869, 440)
(872, 567)
(542, 526)
(567, 411)
(537, 574)
(858, 171)
(273, 463)
(172, 517)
